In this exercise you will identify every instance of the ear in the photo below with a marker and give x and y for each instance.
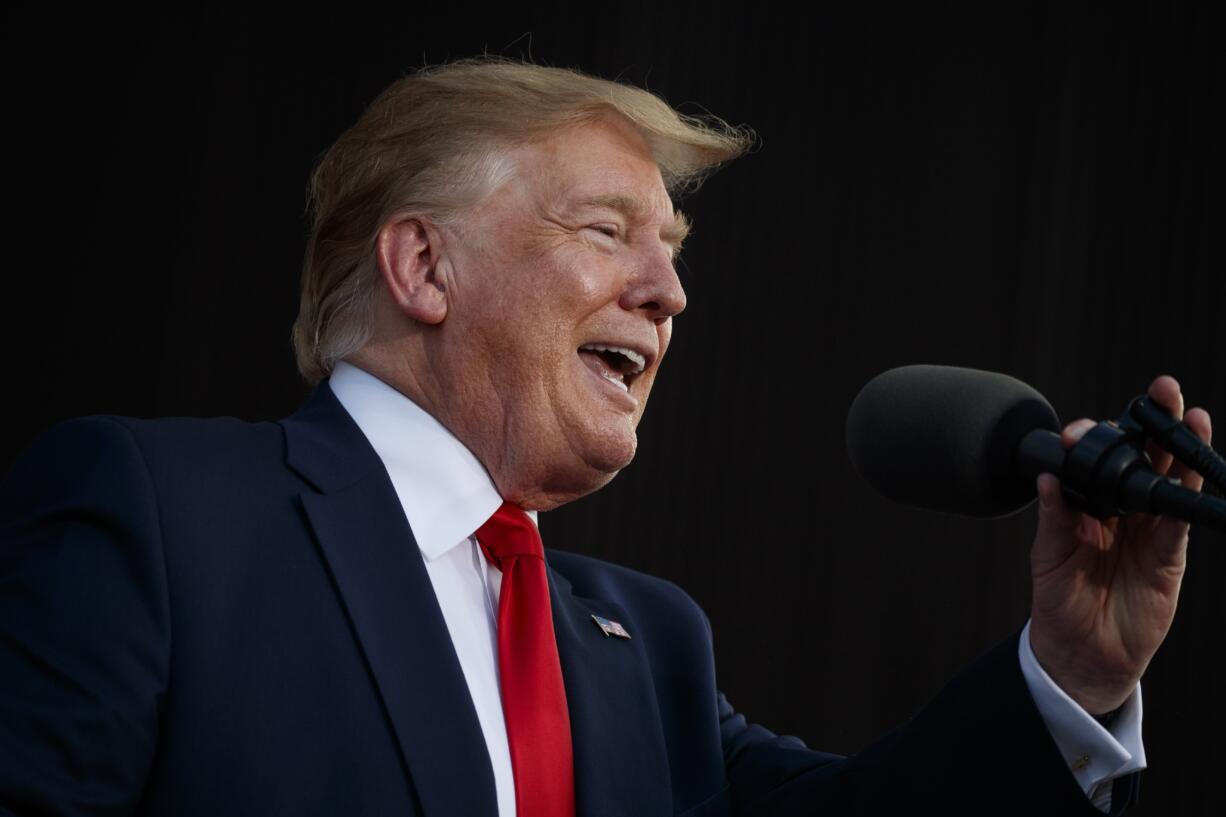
(407, 250)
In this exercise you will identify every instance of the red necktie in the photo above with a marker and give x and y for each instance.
(533, 697)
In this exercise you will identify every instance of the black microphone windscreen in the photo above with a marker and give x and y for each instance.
(946, 438)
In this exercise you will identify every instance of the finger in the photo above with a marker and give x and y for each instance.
(1201, 424)
(1074, 431)
(1059, 531)
(1165, 392)
(1173, 533)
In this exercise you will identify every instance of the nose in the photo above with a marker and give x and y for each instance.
(655, 287)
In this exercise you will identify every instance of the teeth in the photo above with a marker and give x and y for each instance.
(616, 381)
(634, 357)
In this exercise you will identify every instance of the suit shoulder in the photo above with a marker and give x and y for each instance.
(205, 443)
(85, 477)
(102, 444)
(195, 434)
(77, 437)
(72, 454)
(204, 432)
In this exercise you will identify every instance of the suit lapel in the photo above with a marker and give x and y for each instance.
(621, 766)
(382, 581)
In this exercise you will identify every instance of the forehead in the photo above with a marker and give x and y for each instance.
(603, 163)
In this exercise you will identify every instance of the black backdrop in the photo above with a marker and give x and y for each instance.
(1031, 188)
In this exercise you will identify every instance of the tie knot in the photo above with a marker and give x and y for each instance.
(509, 532)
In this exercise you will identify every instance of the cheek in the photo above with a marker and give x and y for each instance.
(665, 331)
(584, 276)
(590, 284)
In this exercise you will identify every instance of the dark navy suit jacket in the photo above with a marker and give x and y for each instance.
(214, 617)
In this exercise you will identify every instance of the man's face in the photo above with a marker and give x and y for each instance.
(561, 295)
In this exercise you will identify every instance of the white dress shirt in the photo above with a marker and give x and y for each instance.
(1096, 756)
(447, 494)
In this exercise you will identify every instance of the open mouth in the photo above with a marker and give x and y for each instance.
(616, 364)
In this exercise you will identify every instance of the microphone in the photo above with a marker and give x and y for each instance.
(971, 442)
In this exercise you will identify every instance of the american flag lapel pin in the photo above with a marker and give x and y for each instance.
(610, 628)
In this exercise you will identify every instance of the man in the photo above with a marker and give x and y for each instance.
(324, 615)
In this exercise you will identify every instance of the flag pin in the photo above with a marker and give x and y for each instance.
(610, 628)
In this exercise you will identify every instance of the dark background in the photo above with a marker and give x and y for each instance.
(1029, 188)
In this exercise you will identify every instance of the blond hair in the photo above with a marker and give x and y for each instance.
(433, 143)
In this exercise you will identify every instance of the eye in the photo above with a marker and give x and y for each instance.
(609, 230)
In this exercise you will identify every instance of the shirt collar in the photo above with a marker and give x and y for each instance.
(445, 491)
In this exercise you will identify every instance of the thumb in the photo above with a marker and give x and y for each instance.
(1058, 525)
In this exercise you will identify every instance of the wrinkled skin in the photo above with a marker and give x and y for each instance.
(481, 323)
(1105, 592)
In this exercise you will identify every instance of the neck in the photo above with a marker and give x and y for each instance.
(523, 472)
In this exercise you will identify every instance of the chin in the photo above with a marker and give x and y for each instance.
(610, 450)
(598, 462)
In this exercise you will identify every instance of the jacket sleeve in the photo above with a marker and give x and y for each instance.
(979, 747)
(84, 623)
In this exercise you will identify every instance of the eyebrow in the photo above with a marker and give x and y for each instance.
(673, 233)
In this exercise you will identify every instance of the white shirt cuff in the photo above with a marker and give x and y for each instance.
(1093, 755)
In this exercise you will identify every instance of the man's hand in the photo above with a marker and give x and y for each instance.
(1105, 592)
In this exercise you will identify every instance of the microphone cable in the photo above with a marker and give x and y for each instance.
(1175, 437)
